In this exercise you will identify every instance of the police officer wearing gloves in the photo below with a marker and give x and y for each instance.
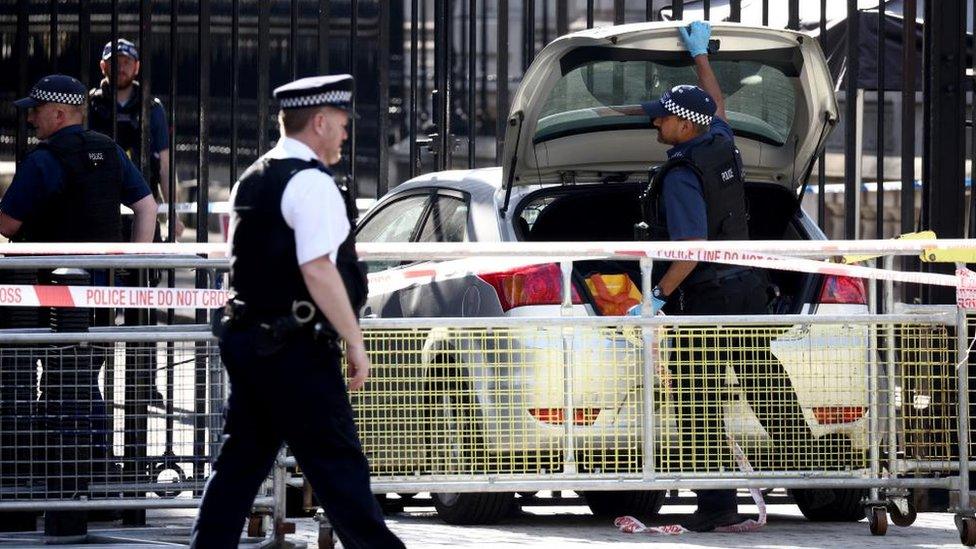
(128, 117)
(297, 286)
(698, 194)
(68, 189)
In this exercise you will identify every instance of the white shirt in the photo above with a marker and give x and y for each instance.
(311, 205)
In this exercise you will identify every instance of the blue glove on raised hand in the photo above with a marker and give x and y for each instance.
(656, 305)
(695, 36)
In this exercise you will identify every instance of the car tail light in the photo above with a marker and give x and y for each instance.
(529, 285)
(557, 416)
(843, 289)
(833, 415)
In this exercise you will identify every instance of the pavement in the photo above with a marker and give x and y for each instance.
(575, 526)
(570, 526)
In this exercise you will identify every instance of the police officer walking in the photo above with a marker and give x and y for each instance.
(297, 285)
(69, 188)
(698, 194)
(128, 117)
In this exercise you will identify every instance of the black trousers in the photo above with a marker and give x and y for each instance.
(295, 395)
(699, 374)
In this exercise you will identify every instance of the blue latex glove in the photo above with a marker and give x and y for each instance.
(656, 305)
(695, 36)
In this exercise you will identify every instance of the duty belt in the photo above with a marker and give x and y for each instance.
(275, 329)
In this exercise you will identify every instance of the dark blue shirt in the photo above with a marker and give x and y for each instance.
(158, 130)
(684, 201)
(39, 176)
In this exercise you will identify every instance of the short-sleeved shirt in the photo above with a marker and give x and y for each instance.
(684, 200)
(312, 206)
(40, 175)
(158, 129)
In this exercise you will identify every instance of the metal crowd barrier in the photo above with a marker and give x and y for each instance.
(532, 403)
(106, 417)
(111, 418)
(507, 404)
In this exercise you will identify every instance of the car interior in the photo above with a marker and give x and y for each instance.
(607, 212)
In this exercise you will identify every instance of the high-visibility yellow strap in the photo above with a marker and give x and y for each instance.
(859, 258)
(949, 256)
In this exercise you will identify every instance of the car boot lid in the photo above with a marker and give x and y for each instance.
(546, 145)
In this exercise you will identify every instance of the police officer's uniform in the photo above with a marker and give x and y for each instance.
(281, 356)
(128, 135)
(699, 194)
(128, 128)
(129, 116)
(68, 189)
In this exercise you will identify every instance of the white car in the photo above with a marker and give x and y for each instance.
(449, 401)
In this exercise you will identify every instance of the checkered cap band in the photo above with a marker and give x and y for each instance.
(58, 97)
(679, 111)
(337, 97)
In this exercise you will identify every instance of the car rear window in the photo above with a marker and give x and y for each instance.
(759, 97)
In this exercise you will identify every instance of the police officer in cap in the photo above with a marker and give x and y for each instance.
(297, 286)
(698, 194)
(68, 189)
(128, 117)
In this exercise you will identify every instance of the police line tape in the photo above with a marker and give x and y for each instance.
(479, 258)
(106, 297)
(399, 278)
(389, 281)
(720, 250)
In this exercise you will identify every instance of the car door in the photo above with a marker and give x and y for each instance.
(397, 220)
(447, 220)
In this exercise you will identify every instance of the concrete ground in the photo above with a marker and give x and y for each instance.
(564, 526)
(574, 526)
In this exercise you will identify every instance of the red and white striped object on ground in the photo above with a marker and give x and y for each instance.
(630, 525)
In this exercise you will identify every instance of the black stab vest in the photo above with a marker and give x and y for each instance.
(129, 126)
(264, 273)
(718, 167)
(86, 208)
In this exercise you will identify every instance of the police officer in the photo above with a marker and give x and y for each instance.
(69, 188)
(128, 116)
(698, 194)
(297, 285)
(128, 134)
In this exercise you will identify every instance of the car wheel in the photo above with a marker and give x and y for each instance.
(478, 508)
(831, 504)
(454, 443)
(639, 503)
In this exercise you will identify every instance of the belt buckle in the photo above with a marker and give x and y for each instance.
(303, 311)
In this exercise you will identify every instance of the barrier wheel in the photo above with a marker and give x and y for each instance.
(902, 519)
(326, 538)
(255, 526)
(167, 472)
(878, 521)
(967, 530)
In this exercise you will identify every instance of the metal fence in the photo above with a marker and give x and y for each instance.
(492, 401)
(124, 418)
(130, 417)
